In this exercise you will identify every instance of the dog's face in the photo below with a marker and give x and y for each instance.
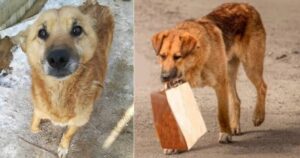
(173, 48)
(60, 41)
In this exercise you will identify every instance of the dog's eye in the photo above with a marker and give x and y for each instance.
(163, 57)
(176, 57)
(76, 31)
(43, 34)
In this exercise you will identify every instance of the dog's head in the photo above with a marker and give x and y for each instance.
(173, 47)
(60, 41)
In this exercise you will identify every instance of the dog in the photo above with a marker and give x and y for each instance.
(208, 51)
(67, 50)
(6, 55)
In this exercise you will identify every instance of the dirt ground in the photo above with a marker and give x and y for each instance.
(279, 135)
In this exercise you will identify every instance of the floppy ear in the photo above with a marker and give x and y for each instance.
(188, 43)
(157, 40)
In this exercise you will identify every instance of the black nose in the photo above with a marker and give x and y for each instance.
(58, 58)
(168, 75)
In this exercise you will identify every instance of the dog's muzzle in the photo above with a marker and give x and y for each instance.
(169, 75)
(60, 62)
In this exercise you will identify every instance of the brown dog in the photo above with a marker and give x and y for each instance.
(208, 51)
(6, 55)
(67, 49)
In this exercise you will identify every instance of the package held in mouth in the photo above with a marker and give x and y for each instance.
(177, 118)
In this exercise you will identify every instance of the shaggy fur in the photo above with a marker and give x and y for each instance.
(207, 52)
(68, 101)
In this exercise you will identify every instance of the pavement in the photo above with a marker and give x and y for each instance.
(278, 136)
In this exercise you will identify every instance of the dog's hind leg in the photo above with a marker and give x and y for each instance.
(234, 100)
(253, 66)
(35, 124)
(65, 141)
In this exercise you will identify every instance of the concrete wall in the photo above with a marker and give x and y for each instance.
(13, 11)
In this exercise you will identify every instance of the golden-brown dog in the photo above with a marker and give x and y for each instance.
(67, 50)
(208, 51)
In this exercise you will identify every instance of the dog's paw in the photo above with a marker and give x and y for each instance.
(62, 152)
(225, 138)
(170, 151)
(236, 131)
(35, 129)
(258, 118)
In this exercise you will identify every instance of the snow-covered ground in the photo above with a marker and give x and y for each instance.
(15, 103)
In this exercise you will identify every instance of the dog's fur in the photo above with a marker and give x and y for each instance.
(6, 55)
(68, 101)
(208, 51)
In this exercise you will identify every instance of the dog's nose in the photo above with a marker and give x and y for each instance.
(165, 76)
(168, 75)
(58, 58)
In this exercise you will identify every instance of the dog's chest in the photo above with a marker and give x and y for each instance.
(66, 104)
(59, 95)
(206, 78)
(201, 79)
(67, 96)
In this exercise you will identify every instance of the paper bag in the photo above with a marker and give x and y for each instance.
(177, 118)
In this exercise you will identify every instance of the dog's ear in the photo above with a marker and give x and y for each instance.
(188, 43)
(157, 40)
(20, 39)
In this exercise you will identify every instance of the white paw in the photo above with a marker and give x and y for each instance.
(62, 152)
(225, 138)
(170, 151)
(236, 131)
(35, 130)
(258, 118)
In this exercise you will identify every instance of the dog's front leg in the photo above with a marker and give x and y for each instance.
(35, 123)
(65, 141)
(223, 114)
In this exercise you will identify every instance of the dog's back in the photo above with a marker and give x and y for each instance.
(236, 21)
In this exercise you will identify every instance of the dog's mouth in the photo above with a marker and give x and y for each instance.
(171, 76)
(61, 73)
(60, 63)
(175, 82)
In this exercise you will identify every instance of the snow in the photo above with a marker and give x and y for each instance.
(15, 101)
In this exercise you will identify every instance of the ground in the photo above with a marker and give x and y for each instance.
(279, 135)
(16, 140)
